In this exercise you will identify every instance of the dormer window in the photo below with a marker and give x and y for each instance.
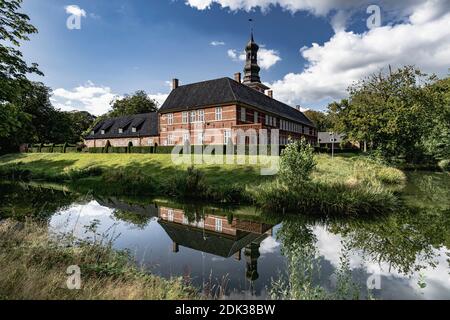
(133, 129)
(120, 130)
(102, 132)
(92, 132)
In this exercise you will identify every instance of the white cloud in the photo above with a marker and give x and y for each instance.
(159, 98)
(423, 40)
(267, 58)
(217, 43)
(88, 97)
(269, 245)
(92, 98)
(316, 7)
(235, 56)
(75, 10)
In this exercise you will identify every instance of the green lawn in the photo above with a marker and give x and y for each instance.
(160, 166)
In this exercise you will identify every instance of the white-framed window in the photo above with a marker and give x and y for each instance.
(102, 132)
(185, 137)
(185, 117)
(201, 115)
(170, 140)
(218, 225)
(218, 113)
(226, 136)
(255, 117)
(120, 130)
(170, 215)
(150, 142)
(92, 132)
(200, 137)
(170, 118)
(193, 116)
(133, 129)
(243, 114)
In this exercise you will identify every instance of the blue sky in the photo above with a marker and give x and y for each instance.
(310, 53)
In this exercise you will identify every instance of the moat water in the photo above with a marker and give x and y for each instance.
(240, 253)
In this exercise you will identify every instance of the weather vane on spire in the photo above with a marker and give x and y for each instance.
(251, 25)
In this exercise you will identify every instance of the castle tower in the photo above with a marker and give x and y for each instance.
(251, 69)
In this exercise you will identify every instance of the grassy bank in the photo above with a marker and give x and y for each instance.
(347, 183)
(34, 265)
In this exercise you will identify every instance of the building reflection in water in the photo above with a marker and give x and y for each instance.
(218, 235)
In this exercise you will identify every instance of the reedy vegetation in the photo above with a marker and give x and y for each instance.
(34, 263)
(306, 183)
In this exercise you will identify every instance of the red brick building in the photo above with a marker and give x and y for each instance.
(140, 129)
(210, 112)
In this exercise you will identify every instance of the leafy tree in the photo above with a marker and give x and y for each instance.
(14, 27)
(320, 119)
(80, 122)
(12, 123)
(394, 112)
(36, 102)
(437, 143)
(139, 102)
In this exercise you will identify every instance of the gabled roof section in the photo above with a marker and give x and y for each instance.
(145, 123)
(226, 90)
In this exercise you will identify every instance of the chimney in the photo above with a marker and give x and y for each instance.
(175, 83)
(270, 93)
(237, 77)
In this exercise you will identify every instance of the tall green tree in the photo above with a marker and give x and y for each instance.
(139, 102)
(320, 119)
(14, 28)
(394, 112)
(80, 121)
(13, 124)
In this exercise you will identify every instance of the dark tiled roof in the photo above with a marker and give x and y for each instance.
(209, 242)
(226, 90)
(146, 124)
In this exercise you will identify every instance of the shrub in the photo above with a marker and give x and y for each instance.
(76, 174)
(187, 184)
(58, 149)
(163, 149)
(71, 150)
(297, 162)
(15, 173)
(95, 150)
(118, 149)
(107, 147)
(141, 149)
(391, 176)
(121, 181)
(310, 197)
(444, 164)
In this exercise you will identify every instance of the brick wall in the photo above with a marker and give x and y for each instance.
(122, 142)
(172, 133)
(210, 222)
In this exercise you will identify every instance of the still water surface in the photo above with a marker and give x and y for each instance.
(404, 255)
